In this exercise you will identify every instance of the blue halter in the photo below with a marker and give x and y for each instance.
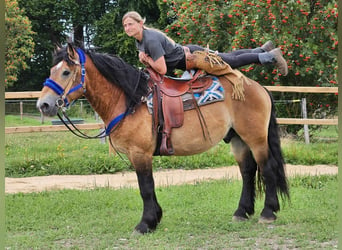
(60, 91)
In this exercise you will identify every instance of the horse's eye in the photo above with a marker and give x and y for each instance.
(66, 73)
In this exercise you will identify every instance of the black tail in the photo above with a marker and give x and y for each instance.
(275, 152)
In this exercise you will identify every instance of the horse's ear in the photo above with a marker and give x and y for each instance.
(71, 52)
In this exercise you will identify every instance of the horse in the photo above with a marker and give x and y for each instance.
(115, 90)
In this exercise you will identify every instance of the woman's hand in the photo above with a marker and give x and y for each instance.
(144, 58)
(159, 65)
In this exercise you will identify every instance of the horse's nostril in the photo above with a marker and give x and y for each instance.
(44, 107)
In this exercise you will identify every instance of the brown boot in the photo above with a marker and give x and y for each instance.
(268, 46)
(279, 61)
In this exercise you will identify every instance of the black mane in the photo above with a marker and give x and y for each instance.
(131, 80)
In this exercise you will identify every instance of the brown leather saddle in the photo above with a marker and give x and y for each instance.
(168, 108)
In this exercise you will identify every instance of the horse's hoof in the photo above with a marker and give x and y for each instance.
(264, 220)
(239, 219)
(143, 228)
(136, 233)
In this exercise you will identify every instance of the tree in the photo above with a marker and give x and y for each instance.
(82, 15)
(54, 22)
(305, 30)
(86, 22)
(19, 41)
(48, 20)
(110, 36)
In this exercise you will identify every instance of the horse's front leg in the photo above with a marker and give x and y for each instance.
(152, 212)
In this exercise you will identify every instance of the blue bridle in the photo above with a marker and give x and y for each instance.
(59, 90)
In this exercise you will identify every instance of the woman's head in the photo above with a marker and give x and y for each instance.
(133, 24)
(133, 15)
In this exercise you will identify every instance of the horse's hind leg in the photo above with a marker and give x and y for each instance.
(272, 167)
(271, 205)
(248, 169)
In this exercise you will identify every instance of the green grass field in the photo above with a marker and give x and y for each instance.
(37, 154)
(195, 217)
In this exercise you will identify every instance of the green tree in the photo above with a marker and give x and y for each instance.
(55, 22)
(305, 30)
(110, 36)
(90, 23)
(82, 15)
(19, 41)
(48, 20)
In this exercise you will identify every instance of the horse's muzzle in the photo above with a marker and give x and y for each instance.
(47, 106)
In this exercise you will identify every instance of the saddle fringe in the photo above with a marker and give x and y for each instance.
(219, 67)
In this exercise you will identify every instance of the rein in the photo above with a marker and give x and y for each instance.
(79, 132)
(100, 135)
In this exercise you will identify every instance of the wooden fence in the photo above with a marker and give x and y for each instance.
(298, 121)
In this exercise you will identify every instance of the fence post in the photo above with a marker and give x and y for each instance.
(21, 110)
(306, 126)
(41, 118)
(81, 108)
(102, 139)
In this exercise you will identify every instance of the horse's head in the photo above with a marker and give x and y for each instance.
(66, 81)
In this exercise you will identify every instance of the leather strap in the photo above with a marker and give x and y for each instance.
(189, 58)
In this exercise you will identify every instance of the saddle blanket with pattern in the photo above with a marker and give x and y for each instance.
(212, 94)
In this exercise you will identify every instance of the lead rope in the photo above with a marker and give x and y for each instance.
(111, 142)
(79, 132)
(100, 135)
(118, 153)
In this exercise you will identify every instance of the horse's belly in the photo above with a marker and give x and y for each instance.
(195, 136)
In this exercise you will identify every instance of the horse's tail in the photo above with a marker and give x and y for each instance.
(276, 158)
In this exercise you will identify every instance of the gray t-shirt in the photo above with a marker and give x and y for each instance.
(155, 44)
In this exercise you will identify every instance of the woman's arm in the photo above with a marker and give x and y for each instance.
(159, 65)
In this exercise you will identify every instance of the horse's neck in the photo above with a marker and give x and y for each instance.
(106, 99)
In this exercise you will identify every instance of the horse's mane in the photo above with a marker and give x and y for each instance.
(131, 80)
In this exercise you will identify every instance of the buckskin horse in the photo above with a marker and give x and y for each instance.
(115, 89)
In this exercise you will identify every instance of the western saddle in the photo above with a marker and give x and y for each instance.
(168, 108)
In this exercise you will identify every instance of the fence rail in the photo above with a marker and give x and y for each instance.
(301, 121)
(90, 126)
(297, 121)
(22, 95)
(316, 90)
(51, 128)
(36, 94)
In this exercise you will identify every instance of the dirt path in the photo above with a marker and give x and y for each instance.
(128, 179)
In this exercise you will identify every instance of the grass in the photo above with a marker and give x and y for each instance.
(38, 154)
(14, 121)
(195, 217)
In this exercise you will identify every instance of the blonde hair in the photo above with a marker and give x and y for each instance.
(134, 15)
(137, 17)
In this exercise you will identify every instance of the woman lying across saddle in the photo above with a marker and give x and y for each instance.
(158, 51)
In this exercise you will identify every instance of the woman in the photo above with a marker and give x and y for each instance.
(161, 53)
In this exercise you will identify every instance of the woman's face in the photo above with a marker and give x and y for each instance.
(133, 28)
